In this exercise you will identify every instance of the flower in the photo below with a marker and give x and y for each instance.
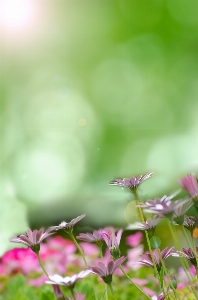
(146, 258)
(135, 239)
(112, 240)
(190, 222)
(180, 211)
(67, 281)
(91, 238)
(159, 297)
(149, 225)
(152, 203)
(68, 226)
(32, 239)
(105, 271)
(189, 254)
(78, 297)
(58, 293)
(132, 182)
(190, 184)
(165, 208)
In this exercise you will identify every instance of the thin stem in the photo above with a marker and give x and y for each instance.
(183, 262)
(188, 242)
(166, 272)
(41, 264)
(194, 247)
(123, 271)
(148, 241)
(73, 295)
(79, 248)
(84, 259)
(106, 292)
(112, 291)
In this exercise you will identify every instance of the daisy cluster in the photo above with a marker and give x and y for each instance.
(59, 258)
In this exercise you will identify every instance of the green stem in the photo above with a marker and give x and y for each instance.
(106, 292)
(41, 264)
(78, 247)
(112, 291)
(188, 242)
(123, 271)
(148, 241)
(167, 274)
(83, 257)
(183, 262)
(73, 295)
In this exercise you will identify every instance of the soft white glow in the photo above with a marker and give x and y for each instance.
(15, 14)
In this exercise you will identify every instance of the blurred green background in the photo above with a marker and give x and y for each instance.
(92, 91)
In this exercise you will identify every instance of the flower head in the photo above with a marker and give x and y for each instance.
(32, 239)
(149, 225)
(91, 238)
(105, 271)
(189, 254)
(190, 184)
(132, 182)
(165, 208)
(190, 222)
(68, 226)
(180, 211)
(146, 258)
(67, 281)
(112, 240)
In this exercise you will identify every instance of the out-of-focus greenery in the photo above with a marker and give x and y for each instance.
(90, 91)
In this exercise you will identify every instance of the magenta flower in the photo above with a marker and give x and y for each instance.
(112, 241)
(91, 238)
(146, 258)
(188, 253)
(32, 239)
(190, 184)
(149, 225)
(105, 271)
(58, 293)
(133, 182)
(68, 226)
(67, 281)
(165, 200)
(159, 297)
(135, 239)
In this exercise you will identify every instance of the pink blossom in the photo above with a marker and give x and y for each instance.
(134, 240)
(133, 256)
(89, 249)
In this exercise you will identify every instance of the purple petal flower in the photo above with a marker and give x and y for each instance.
(112, 240)
(67, 281)
(32, 239)
(180, 211)
(91, 238)
(66, 226)
(190, 223)
(190, 184)
(146, 258)
(105, 271)
(132, 182)
(189, 254)
(149, 225)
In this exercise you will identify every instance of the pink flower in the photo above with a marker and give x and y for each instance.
(67, 281)
(112, 240)
(105, 271)
(89, 249)
(134, 240)
(20, 259)
(32, 239)
(133, 256)
(190, 184)
(78, 297)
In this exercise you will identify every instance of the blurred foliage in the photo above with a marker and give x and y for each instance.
(90, 91)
